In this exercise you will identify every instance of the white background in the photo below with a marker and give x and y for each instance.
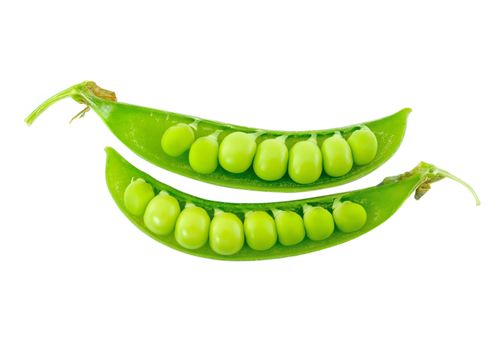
(75, 274)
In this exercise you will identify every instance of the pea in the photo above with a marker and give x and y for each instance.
(237, 151)
(260, 230)
(226, 233)
(270, 162)
(137, 195)
(203, 154)
(337, 156)
(191, 229)
(177, 139)
(364, 145)
(305, 162)
(161, 214)
(349, 216)
(290, 227)
(318, 222)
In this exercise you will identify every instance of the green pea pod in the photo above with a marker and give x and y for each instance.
(201, 149)
(354, 213)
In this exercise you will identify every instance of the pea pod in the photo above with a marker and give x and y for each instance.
(300, 226)
(237, 156)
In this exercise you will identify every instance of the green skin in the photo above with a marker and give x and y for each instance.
(141, 129)
(380, 202)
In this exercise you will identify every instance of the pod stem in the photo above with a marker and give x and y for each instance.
(82, 93)
(431, 173)
(444, 173)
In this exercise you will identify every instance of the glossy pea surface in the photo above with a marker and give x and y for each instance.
(226, 234)
(203, 155)
(177, 139)
(270, 161)
(364, 146)
(290, 227)
(260, 230)
(305, 162)
(349, 216)
(319, 223)
(137, 195)
(237, 151)
(337, 156)
(161, 214)
(191, 229)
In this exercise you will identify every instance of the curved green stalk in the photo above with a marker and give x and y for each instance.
(380, 203)
(141, 129)
(79, 93)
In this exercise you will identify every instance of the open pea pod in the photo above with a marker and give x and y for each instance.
(232, 231)
(242, 157)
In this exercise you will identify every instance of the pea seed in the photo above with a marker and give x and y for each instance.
(137, 195)
(305, 162)
(260, 230)
(237, 151)
(270, 162)
(337, 156)
(318, 222)
(177, 139)
(226, 233)
(364, 145)
(290, 227)
(191, 229)
(161, 214)
(349, 216)
(203, 154)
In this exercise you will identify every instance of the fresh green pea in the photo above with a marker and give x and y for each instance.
(236, 151)
(270, 162)
(191, 229)
(260, 230)
(137, 195)
(177, 139)
(203, 154)
(318, 222)
(305, 162)
(337, 156)
(290, 227)
(161, 214)
(364, 145)
(226, 233)
(349, 216)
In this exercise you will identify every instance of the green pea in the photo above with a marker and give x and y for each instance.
(290, 227)
(260, 230)
(177, 139)
(191, 229)
(226, 233)
(364, 145)
(161, 214)
(270, 162)
(349, 216)
(337, 156)
(305, 162)
(203, 154)
(318, 222)
(237, 151)
(137, 195)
